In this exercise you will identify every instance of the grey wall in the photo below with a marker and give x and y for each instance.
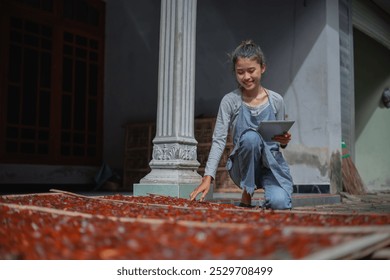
(299, 39)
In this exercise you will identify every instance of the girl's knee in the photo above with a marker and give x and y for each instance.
(279, 204)
(250, 139)
(278, 200)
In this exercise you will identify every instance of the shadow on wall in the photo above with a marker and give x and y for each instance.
(132, 49)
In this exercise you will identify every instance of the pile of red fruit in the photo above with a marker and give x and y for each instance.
(63, 226)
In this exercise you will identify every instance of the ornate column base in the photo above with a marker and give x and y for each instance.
(174, 171)
(174, 161)
(172, 175)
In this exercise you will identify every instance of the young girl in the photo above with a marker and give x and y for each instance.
(253, 162)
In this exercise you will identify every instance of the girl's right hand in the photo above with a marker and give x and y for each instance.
(203, 188)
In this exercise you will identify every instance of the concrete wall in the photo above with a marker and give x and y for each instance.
(372, 76)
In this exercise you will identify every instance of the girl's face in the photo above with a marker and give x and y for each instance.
(248, 73)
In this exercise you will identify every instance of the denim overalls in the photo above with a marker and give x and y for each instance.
(255, 163)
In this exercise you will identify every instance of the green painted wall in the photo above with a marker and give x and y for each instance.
(372, 119)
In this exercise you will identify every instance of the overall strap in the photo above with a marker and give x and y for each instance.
(271, 102)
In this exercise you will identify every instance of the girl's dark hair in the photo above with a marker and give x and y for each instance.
(247, 49)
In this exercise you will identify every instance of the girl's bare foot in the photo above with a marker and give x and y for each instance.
(246, 200)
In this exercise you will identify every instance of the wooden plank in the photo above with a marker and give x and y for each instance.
(355, 249)
(359, 254)
(381, 254)
(26, 194)
(337, 230)
(316, 212)
(54, 211)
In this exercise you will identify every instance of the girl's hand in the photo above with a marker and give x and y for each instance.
(203, 188)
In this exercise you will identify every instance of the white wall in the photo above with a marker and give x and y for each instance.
(372, 76)
(313, 98)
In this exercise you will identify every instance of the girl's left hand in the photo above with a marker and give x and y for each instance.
(283, 139)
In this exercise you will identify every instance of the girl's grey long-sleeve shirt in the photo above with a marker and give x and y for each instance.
(226, 119)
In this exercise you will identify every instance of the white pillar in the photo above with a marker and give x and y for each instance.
(174, 162)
